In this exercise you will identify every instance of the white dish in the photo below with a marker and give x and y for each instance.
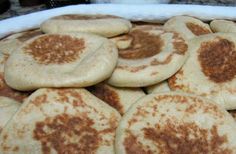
(158, 12)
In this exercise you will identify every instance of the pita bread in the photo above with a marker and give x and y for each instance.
(210, 70)
(188, 27)
(61, 121)
(119, 98)
(154, 55)
(157, 88)
(233, 113)
(8, 107)
(61, 60)
(175, 123)
(13, 42)
(223, 26)
(105, 25)
(5, 90)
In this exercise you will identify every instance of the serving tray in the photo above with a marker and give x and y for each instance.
(156, 13)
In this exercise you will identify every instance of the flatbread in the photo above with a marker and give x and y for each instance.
(223, 26)
(61, 60)
(105, 25)
(119, 98)
(5, 90)
(8, 107)
(154, 55)
(187, 27)
(210, 71)
(61, 121)
(157, 88)
(13, 42)
(176, 123)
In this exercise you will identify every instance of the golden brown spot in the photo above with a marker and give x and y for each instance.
(143, 45)
(28, 35)
(141, 112)
(197, 29)
(133, 146)
(113, 123)
(186, 138)
(198, 104)
(6, 91)
(67, 134)
(172, 81)
(64, 94)
(218, 60)
(55, 49)
(108, 95)
(179, 44)
(39, 100)
(83, 17)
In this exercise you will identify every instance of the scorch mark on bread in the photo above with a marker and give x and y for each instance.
(218, 60)
(55, 49)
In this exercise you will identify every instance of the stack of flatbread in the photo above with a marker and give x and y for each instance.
(86, 84)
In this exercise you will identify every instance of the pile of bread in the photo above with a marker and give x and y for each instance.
(84, 84)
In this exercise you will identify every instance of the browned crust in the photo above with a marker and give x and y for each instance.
(173, 136)
(143, 45)
(197, 29)
(108, 95)
(55, 49)
(218, 60)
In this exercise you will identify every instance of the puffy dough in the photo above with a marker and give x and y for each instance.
(210, 69)
(105, 25)
(61, 60)
(5, 90)
(61, 121)
(223, 26)
(188, 27)
(175, 123)
(153, 56)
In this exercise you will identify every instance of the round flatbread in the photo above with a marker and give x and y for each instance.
(105, 25)
(5, 90)
(13, 42)
(119, 98)
(157, 88)
(175, 123)
(187, 27)
(61, 60)
(153, 56)
(61, 121)
(223, 26)
(8, 107)
(210, 71)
